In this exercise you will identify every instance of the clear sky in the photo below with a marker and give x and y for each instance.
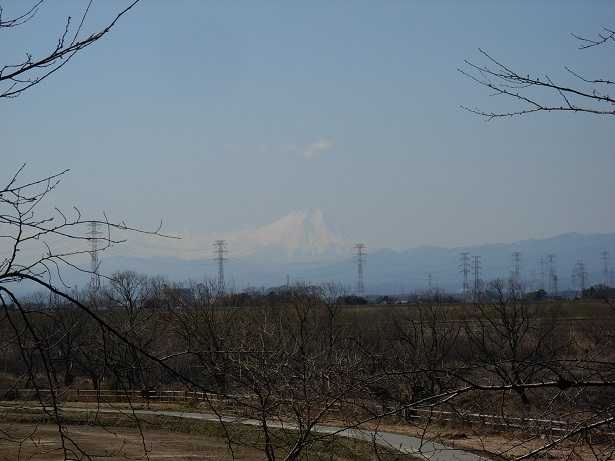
(215, 116)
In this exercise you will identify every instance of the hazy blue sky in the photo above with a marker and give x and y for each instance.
(221, 115)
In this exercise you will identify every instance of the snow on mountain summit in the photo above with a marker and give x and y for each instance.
(299, 234)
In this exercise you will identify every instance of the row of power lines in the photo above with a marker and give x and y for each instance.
(470, 268)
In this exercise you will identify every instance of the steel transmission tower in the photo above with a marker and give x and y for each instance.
(359, 252)
(605, 268)
(517, 267)
(465, 270)
(552, 274)
(579, 275)
(429, 289)
(476, 276)
(220, 252)
(542, 274)
(93, 235)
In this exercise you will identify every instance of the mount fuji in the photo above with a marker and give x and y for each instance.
(307, 246)
(303, 246)
(305, 236)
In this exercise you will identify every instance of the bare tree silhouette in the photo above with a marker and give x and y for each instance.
(18, 77)
(545, 94)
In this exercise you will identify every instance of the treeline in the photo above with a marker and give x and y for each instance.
(301, 354)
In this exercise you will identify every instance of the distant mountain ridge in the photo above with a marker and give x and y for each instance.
(305, 246)
(443, 267)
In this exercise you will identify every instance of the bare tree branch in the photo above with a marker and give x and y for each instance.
(533, 93)
(21, 19)
(588, 43)
(19, 77)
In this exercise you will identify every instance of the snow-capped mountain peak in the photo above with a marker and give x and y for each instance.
(305, 233)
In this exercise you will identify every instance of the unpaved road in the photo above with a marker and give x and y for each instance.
(405, 444)
(21, 442)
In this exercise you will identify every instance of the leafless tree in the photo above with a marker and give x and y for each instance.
(545, 94)
(294, 366)
(20, 76)
(423, 340)
(130, 303)
(510, 339)
(204, 328)
(541, 379)
(29, 260)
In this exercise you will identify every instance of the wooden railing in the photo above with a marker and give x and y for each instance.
(543, 426)
(89, 395)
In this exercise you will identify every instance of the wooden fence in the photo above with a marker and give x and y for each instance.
(540, 426)
(89, 395)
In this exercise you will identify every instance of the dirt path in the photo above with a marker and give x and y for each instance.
(23, 442)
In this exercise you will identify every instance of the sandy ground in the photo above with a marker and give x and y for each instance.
(23, 442)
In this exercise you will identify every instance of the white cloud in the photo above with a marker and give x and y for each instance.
(229, 147)
(309, 151)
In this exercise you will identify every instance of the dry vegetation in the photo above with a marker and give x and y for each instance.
(505, 376)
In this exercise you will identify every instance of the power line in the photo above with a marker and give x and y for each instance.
(542, 273)
(93, 235)
(579, 275)
(516, 267)
(359, 249)
(552, 274)
(477, 284)
(429, 287)
(465, 270)
(605, 268)
(220, 252)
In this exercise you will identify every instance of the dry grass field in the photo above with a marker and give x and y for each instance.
(481, 420)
